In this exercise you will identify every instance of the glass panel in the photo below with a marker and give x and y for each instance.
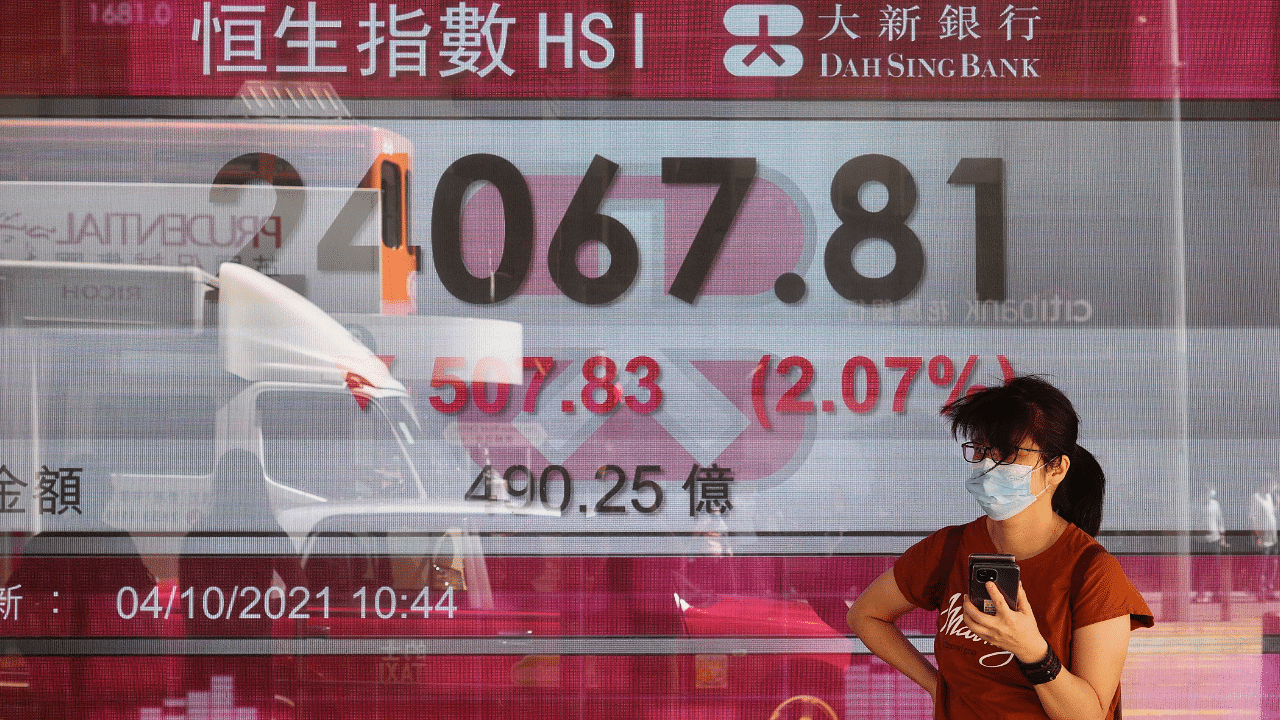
(623, 403)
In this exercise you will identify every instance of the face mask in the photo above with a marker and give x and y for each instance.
(1002, 490)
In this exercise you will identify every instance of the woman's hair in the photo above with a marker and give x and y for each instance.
(1029, 407)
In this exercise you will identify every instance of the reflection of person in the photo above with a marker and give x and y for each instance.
(1214, 543)
(713, 572)
(1262, 521)
(238, 515)
(703, 575)
(80, 596)
(1060, 652)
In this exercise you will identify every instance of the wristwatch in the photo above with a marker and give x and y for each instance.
(1042, 671)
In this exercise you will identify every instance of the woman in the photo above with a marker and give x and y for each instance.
(1059, 652)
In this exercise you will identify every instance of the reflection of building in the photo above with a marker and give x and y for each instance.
(219, 701)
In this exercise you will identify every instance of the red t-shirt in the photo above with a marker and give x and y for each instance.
(976, 678)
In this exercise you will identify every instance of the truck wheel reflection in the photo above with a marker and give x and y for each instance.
(803, 707)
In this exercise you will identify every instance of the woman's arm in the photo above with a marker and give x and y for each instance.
(1098, 652)
(872, 619)
(1081, 692)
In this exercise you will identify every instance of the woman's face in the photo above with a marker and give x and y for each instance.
(1024, 452)
(1027, 452)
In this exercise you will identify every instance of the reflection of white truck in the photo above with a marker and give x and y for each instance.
(146, 377)
(186, 192)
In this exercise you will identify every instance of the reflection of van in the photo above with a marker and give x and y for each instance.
(145, 388)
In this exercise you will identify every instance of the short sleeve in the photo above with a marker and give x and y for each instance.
(1106, 593)
(916, 566)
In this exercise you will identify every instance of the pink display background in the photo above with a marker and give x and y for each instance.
(1085, 50)
(626, 599)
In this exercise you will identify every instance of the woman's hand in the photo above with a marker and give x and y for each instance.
(1011, 630)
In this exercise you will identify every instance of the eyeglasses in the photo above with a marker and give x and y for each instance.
(976, 453)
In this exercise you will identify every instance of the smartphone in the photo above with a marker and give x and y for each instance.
(997, 568)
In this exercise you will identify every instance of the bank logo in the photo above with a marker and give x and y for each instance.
(763, 58)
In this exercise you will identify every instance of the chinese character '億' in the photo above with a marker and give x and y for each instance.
(709, 490)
